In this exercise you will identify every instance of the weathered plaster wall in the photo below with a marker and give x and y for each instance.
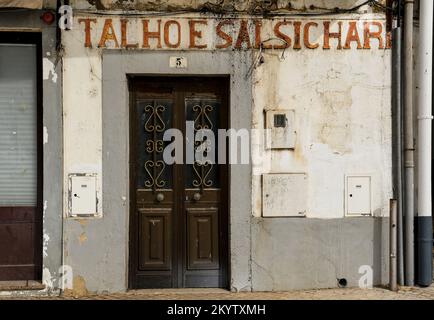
(252, 6)
(343, 116)
(341, 100)
(342, 104)
(53, 142)
(343, 119)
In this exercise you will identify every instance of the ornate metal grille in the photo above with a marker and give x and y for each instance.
(204, 113)
(155, 118)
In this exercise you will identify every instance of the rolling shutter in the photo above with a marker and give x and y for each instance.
(18, 125)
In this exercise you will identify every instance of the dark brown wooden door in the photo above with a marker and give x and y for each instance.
(179, 211)
(20, 156)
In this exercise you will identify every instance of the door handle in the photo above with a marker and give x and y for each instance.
(197, 196)
(160, 197)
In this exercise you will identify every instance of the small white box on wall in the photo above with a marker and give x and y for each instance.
(83, 200)
(358, 195)
(281, 131)
(285, 195)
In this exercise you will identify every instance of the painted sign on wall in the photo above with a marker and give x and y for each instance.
(237, 34)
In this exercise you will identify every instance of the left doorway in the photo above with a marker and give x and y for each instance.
(20, 156)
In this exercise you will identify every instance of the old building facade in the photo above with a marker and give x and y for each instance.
(305, 86)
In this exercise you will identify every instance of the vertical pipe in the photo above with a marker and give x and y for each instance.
(58, 30)
(398, 154)
(401, 274)
(409, 142)
(393, 267)
(424, 76)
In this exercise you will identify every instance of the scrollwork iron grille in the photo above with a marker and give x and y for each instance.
(155, 119)
(204, 114)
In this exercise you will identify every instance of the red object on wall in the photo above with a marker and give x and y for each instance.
(48, 17)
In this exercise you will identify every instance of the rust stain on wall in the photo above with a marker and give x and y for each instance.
(79, 288)
(83, 222)
(82, 238)
(335, 127)
(299, 155)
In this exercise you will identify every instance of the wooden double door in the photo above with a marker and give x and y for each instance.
(178, 204)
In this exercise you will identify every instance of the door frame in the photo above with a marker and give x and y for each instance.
(15, 37)
(224, 248)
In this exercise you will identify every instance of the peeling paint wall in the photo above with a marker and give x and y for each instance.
(342, 122)
(217, 6)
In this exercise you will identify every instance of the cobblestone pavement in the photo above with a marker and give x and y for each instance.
(204, 294)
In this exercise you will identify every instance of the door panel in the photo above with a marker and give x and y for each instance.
(203, 189)
(179, 216)
(203, 253)
(19, 227)
(154, 194)
(155, 239)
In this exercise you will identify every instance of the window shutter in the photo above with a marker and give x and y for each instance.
(18, 125)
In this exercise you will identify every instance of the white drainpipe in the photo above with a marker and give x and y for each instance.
(424, 80)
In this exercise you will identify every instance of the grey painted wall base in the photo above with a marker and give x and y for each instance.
(294, 254)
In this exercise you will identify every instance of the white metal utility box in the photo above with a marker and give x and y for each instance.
(358, 195)
(285, 195)
(82, 195)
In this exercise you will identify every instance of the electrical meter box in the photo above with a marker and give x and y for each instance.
(280, 129)
(284, 195)
(358, 196)
(82, 195)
